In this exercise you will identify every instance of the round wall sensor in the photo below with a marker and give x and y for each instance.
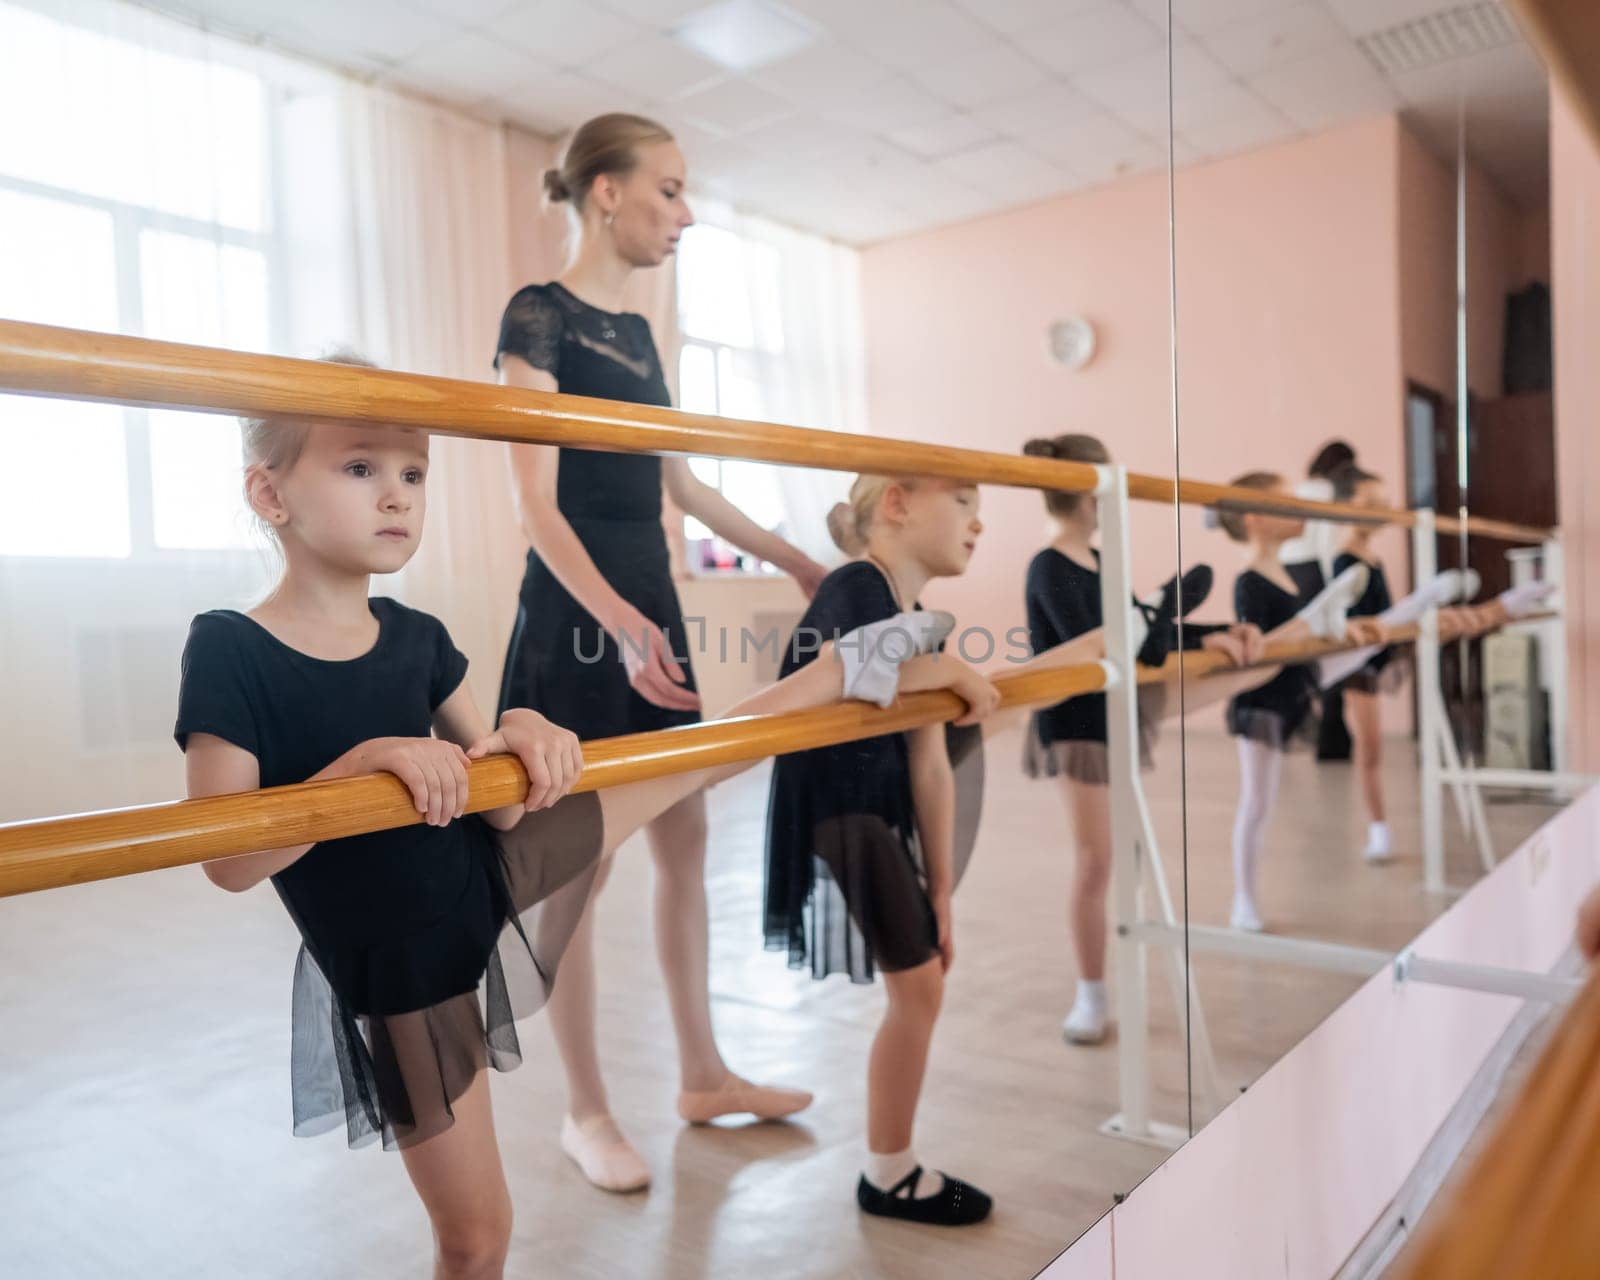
(1072, 342)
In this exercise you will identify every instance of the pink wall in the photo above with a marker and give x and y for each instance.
(1288, 328)
(1575, 235)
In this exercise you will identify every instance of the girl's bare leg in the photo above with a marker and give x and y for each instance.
(899, 1057)
(1089, 805)
(461, 1182)
(1361, 709)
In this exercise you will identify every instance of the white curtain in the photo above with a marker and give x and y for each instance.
(821, 379)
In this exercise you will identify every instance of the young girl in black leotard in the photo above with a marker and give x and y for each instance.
(1267, 719)
(422, 945)
(1068, 740)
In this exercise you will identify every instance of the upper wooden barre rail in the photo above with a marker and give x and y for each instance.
(55, 852)
(1526, 1208)
(76, 364)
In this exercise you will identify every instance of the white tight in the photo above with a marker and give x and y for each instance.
(1260, 768)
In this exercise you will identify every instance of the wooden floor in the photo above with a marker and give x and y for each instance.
(144, 1043)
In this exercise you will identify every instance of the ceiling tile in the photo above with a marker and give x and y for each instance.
(473, 13)
(1050, 105)
(895, 104)
(1226, 137)
(820, 74)
(980, 75)
(390, 36)
(659, 14)
(1327, 88)
(553, 104)
(1015, 17)
(943, 136)
(1093, 38)
(730, 107)
(1139, 82)
(654, 68)
(1359, 17)
(1285, 35)
(468, 67)
(568, 33)
(1200, 17)
(1012, 173)
(1095, 141)
(903, 34)
(800, 135)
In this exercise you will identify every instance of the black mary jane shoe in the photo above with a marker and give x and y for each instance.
(958, 1204)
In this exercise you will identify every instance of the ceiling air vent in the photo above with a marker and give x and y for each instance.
(1439, 37)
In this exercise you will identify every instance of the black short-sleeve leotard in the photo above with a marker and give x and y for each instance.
(400, 929)
(846, 888)
(559, 661)
(1063, 603)
(1278, 711)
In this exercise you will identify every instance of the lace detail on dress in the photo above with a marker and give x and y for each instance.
(531, 330)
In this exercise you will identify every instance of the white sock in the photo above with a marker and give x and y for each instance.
(1092, 994)
(1526, 599)
(886, 1171)
(1378, 844)
(1325, 615)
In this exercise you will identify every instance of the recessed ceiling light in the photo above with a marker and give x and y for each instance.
(742, 35)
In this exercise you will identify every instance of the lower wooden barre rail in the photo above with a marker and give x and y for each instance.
(38, 359)
(1526, 1209)
(55, 852)
(99, 846)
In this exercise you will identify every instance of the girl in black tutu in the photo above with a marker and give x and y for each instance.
(1068, 741)
(422, 945)
(866, 841)
(1268, 719)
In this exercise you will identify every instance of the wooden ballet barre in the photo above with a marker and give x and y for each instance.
(55, 852)
(1525, 1209)
(45, 360)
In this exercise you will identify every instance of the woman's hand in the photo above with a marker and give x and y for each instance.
(553, 756)
(942, 918)
(433, 770)
(654, 673)
(978, 693)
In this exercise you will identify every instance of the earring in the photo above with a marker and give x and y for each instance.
(610, 218)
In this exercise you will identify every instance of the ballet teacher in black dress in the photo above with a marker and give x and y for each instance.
(598, 569)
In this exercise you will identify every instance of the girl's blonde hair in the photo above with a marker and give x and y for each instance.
(1069, 448)
(850, 521)
(605, 144)
(274, 443)
(1232, 522)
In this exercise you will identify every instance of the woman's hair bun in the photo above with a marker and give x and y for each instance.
(844, 528)
(1040, 447)
(556, 189)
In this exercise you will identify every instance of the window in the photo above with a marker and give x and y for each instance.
(729, 309)
(135, 200)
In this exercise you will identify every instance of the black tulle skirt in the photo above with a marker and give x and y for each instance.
(560, 661)
(1086, 760)
(387, 1037)
(847, 885)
